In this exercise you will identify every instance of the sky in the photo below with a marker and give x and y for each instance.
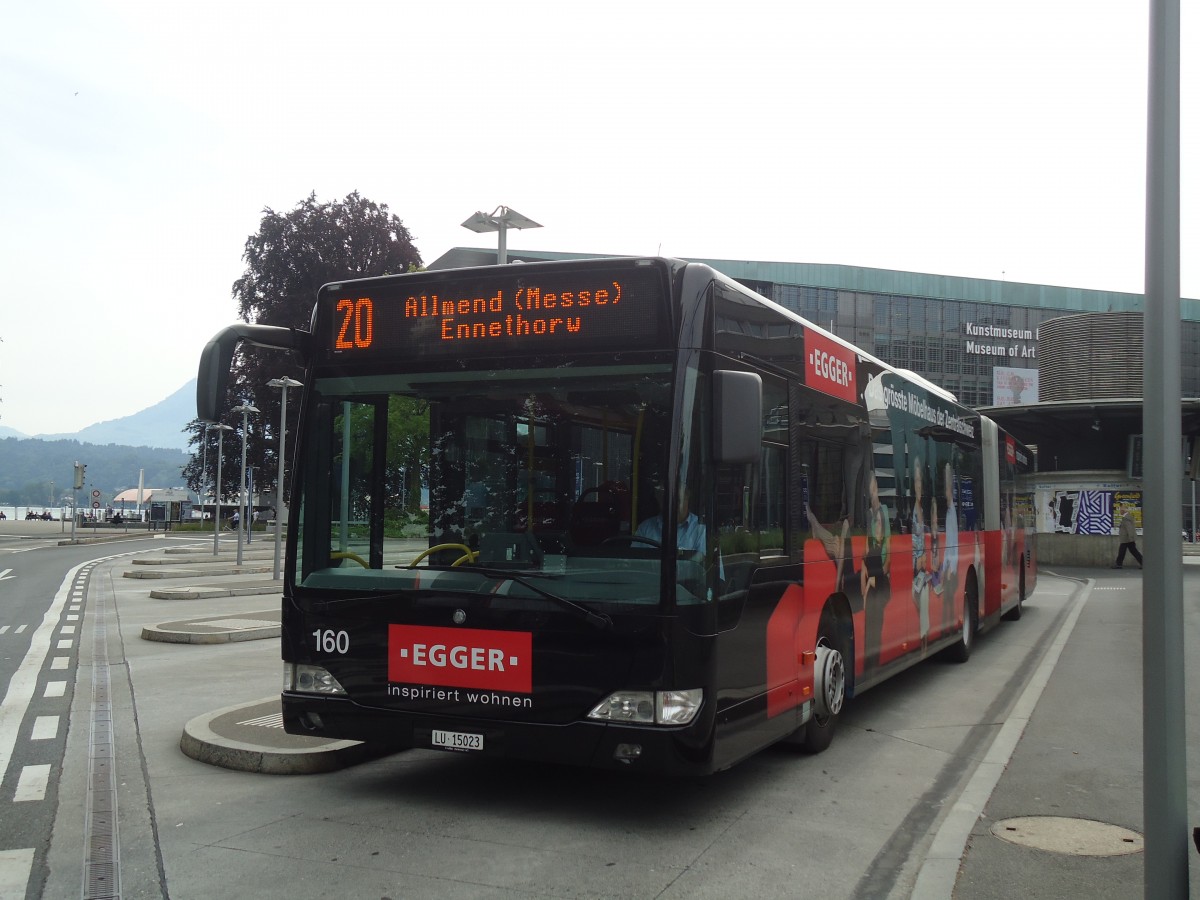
(141, 141)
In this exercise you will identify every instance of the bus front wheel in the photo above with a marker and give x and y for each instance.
(829, 686)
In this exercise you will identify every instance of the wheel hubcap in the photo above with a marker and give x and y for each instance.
(830, 677)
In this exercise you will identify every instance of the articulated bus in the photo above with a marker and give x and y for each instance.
(670, 522)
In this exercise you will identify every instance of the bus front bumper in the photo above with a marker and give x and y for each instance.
(602, 745)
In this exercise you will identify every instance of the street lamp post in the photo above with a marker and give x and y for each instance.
(283, 384)
(220, 429)
(500, 219)
(245, 409)
(203, 467)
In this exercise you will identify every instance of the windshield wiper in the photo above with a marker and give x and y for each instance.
(593, 618)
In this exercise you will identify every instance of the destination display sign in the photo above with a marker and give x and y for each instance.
(510, 310)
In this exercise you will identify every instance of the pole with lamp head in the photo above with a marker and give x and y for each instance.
(500, 220)
(203, 468)
(283, 384)
(245, 409)
(220, 429)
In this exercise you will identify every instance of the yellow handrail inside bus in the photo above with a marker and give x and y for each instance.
(469, 555)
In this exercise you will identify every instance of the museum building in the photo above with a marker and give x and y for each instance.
(977, 338)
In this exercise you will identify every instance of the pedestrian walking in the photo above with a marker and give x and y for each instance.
(1128, 535)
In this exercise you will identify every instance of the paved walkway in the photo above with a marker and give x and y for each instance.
(1054, 810)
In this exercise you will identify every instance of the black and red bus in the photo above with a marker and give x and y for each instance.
(669, 522)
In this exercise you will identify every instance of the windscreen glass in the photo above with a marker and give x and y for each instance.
(506, 482)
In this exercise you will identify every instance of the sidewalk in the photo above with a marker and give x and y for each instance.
(1056, 810)
(1053, 810)
(247, 737)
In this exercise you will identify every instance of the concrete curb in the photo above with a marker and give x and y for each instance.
(207, 592)
(227, 629)
(155, 574)
(233, 738)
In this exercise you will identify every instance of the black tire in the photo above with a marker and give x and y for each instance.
(1014, 614)
(961, 651)
(819, 731)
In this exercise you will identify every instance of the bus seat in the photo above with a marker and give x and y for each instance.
(600, 513)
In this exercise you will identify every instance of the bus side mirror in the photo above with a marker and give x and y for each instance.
(213, 375)
(217, 356)
(737, 417)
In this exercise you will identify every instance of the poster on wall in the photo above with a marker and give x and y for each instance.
(1014, 387)
(1096, 511)
(1127, 502)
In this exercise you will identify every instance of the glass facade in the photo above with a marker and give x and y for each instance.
(956, 344)
(974, 337)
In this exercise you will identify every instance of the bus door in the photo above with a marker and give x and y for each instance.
(760, 599)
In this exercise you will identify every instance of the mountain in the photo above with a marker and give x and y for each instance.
(160, 425)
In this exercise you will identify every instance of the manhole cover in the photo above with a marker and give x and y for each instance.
(1079, 837)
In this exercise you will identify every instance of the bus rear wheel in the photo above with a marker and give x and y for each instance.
(1014, 614)
(961, 651)
(829, 687)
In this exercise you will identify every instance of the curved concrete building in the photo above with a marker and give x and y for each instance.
(1091, 356)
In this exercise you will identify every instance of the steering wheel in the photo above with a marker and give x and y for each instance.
(346, 554)
(632, 539)
(469, 555)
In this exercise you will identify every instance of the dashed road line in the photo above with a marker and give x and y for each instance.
(15, 869)
(32, 784)
(24, 679)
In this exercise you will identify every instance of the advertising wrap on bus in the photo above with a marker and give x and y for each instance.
(663, 522)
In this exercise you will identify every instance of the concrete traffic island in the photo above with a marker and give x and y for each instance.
(249, 737)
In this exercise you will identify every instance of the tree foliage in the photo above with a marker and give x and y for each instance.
(287, 260)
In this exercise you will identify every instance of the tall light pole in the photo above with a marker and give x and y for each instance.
(220, 429)
(245, 409)
(283, 384)
(500, 219)
(203, 467)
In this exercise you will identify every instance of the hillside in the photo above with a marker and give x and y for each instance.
(160, 425)
(30, 466)
(115, 452)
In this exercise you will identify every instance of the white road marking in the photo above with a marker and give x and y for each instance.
(32, 783)
(15, 869)
(45, 728)
(24, 680)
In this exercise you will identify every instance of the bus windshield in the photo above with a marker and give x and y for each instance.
(534, 483)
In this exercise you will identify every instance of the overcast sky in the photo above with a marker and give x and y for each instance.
(140, 142)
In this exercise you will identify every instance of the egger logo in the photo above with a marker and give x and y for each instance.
(830, 367)
(461, 657)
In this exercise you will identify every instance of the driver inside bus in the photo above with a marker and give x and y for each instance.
(690, 533)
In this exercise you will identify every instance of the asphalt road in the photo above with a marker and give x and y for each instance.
(867, 819)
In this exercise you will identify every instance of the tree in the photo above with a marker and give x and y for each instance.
(287, 261)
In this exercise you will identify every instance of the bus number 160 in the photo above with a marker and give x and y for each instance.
(330, 641)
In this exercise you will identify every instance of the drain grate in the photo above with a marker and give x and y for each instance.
(1075, 837)
(101, 864)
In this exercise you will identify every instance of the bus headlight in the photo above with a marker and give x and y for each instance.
(649, 707)
(678, 707)
(310, 679)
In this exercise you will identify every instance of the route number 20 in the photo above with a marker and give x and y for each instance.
(358, 324)
(330, 641)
